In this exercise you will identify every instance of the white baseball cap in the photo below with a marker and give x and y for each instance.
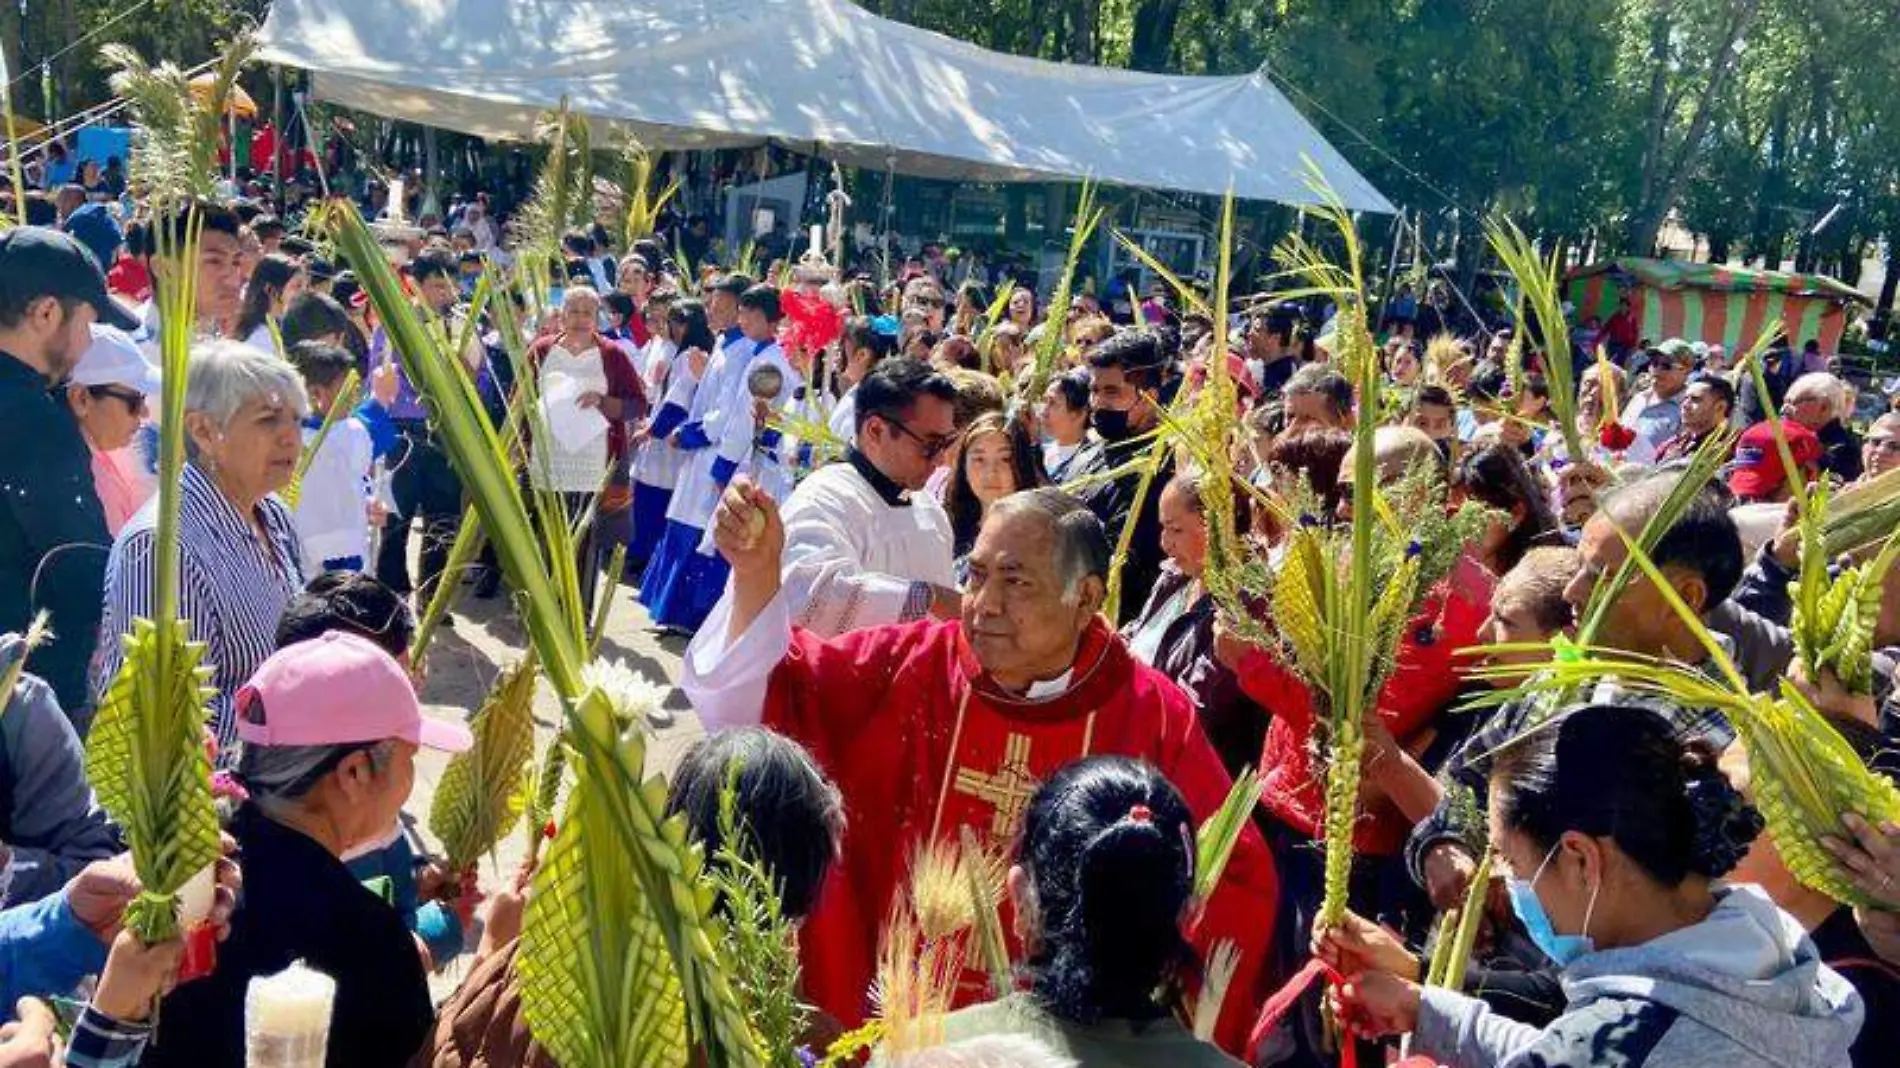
(114, 359)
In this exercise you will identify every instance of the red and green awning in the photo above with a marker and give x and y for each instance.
(1717, 304)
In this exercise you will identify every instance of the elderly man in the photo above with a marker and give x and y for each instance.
(1656, 413)
(1817, 400)
(1880, 452)
(934, 726)
(1318, 398)
(863, 545)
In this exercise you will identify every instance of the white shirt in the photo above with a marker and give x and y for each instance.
(853, 560)
(331, 515)
(570, 444)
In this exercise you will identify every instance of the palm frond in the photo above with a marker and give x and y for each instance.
(1539, 281)
(1222, 963)
(145, 755)
(482, 792)
(644, 204)
(37, 633)
(983, 881)
(760, 941)
(599, 986)
(15, 174)
(1220, 833)
(1048, 351)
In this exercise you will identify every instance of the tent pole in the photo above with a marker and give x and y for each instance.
(884, 219)
(277, 133)
(1392, 264)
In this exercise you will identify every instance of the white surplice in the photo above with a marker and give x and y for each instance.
(855, 560)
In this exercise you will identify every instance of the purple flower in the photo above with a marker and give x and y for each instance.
(806, 1057)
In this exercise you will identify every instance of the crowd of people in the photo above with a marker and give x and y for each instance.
(933, 578)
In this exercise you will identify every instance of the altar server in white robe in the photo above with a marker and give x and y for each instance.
(864, 544)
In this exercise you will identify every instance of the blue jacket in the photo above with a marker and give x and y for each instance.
(45, 950)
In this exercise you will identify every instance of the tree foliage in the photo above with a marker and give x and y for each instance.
(1744, 121)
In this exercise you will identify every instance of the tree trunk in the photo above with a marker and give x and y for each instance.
(1082, 18)
(1154, 34)
(1663, 166)
(1890, 283)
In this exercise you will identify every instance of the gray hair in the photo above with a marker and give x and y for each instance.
(1082, 548)
(224, 376)
(1822, 385)
(986, 1051)
(1322, 380)
(277, 776)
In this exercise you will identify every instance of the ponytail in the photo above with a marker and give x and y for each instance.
(1109, 847)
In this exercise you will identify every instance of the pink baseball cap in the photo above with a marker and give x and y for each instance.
(334, 690)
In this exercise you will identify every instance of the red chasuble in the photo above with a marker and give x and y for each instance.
(920, 743)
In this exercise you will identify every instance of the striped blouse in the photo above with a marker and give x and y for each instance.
(229, 589)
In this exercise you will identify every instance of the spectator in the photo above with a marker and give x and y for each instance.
(1706, 405)
(52, 528)
(331, 728)
(1880, 451)
(1317, 397)
(108, 394)
(239, 559)
(1817, 400)
(1175, 630)
(1102, 878)
(1655, 413)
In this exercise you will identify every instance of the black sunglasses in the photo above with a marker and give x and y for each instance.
(132, 398)
(933, 447)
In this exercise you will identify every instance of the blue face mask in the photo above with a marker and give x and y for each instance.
(1558, 947)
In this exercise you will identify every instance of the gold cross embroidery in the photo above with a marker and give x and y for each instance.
(1009, 789)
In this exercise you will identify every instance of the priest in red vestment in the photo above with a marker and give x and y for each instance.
(934, 725)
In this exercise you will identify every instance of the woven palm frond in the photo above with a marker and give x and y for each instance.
(482, 792)
(146, 760)
(598, 982)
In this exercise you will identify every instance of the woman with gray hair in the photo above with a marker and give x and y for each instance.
(331, 727)
(238, 558)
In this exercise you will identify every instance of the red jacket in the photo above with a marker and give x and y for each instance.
(1425, 678)
(623, 386)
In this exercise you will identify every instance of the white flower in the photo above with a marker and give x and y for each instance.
(635, 699)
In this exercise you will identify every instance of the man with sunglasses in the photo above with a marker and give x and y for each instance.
(864, 544)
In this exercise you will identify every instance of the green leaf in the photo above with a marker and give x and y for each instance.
(1215, 842)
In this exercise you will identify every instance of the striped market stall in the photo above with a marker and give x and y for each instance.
(1716, 304)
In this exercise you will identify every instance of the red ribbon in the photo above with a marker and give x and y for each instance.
(1284, 999)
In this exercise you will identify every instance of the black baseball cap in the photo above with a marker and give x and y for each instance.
(37, 262)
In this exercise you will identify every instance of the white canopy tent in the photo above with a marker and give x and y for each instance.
(823, 77)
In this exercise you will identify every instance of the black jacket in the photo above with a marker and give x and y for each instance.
(53, 540)
(300, 903)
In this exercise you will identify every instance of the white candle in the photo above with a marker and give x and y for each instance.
(817, 239)
(287, 1018)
